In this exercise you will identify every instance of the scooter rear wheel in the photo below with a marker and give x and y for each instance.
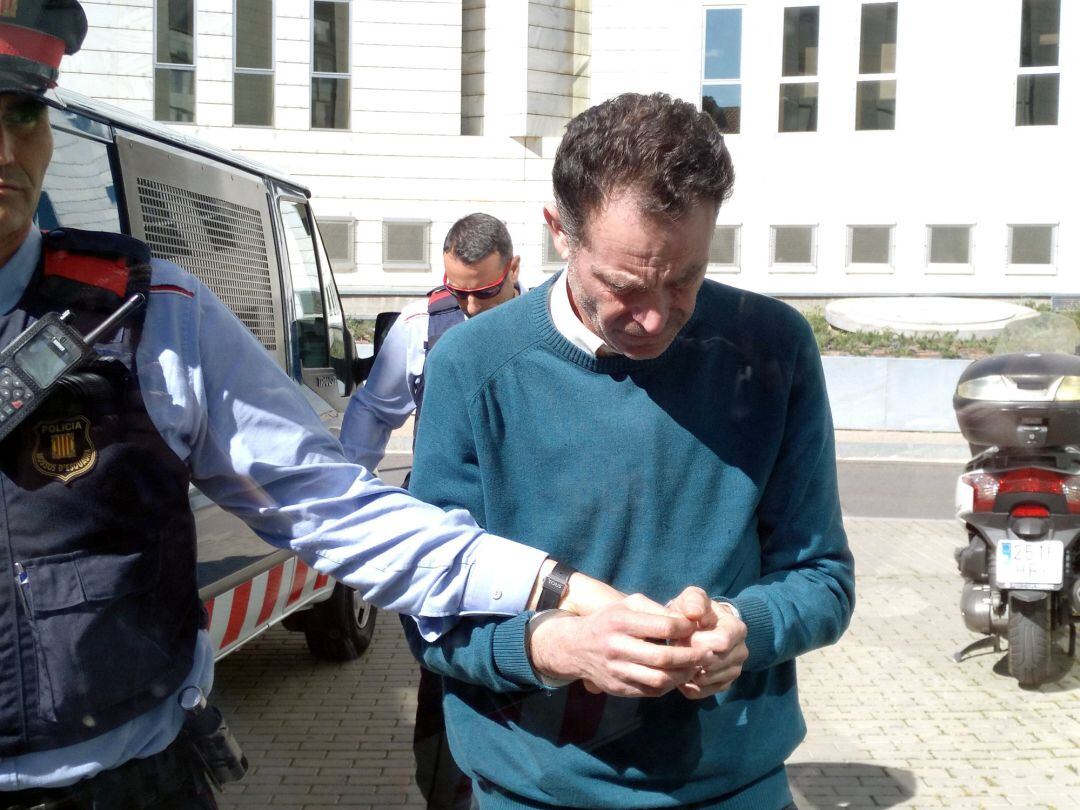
(1031, 641)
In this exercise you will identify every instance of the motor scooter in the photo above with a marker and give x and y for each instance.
(1019, 497)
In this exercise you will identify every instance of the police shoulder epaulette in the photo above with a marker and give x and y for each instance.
(92, 269)
(440, 300)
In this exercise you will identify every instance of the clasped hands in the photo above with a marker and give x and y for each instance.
(633, 647)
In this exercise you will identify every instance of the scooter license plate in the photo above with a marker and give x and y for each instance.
(1032, 564)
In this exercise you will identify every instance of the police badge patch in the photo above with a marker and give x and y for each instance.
(63, 449)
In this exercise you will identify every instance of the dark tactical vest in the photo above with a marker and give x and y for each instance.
(443, 312)
(99, 605)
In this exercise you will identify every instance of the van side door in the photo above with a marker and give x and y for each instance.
(322, 352)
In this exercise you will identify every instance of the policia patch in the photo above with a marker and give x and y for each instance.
(63, 449)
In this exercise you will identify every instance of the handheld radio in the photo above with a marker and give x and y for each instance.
(33, 363)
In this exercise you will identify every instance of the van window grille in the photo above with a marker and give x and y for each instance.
(220, 242)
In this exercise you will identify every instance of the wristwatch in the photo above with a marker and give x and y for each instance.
(555, 585)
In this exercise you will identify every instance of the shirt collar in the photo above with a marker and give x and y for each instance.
(562, 315)
(16, 274)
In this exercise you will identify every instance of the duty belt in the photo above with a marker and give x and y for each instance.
(138, 780)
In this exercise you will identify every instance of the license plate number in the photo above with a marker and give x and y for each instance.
(1036, 565)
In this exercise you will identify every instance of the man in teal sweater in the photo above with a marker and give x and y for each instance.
(683, 427)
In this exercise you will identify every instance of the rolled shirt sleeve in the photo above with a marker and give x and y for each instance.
(385, 400)
(255, 447)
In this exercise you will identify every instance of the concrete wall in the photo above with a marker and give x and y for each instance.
(558, 64)
(892, 393)
(473, 64)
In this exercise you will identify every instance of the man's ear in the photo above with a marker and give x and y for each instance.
(515, 265)
(558, 235)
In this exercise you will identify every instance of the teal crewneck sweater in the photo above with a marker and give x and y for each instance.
(710, 465)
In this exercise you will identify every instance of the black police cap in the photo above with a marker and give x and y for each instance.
(34, 36)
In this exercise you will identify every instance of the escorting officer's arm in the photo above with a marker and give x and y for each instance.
(255, 446)
(613, 647)
(385, 400)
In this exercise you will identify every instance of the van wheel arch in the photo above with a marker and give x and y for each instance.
(340, 628)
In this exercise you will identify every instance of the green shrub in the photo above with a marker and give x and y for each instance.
(363, 329)
(888, 343)
(1043, 306)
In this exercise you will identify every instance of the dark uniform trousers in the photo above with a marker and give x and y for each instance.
(171, 780)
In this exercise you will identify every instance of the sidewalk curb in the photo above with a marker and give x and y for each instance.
(886, 451)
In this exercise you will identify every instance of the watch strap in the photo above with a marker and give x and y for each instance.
(555, 585)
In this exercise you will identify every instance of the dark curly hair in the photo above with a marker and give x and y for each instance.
(663, 150)
(475, 237)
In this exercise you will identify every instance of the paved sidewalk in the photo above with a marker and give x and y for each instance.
(892, 721)
(896, 445)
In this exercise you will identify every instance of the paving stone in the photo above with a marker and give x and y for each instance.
(892, 721)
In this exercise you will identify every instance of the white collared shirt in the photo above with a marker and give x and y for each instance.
(567, 322)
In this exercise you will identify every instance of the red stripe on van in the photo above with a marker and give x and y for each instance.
(298, 580)
(237, 614)
(273, 588)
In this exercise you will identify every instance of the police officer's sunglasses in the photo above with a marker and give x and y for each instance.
(487, 291)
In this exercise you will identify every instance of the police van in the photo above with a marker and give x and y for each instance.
(248, 232)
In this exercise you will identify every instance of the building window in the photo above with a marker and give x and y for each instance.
(405, 244)
(721, 88)
(339, 239)
(174, 61)
(1031, 244)
(1037, 83)
(330, 64)
(551, 258)
(870, 245)
(253, 71)
(724, 248)
(875, 94)
(949, 244)
(799, 87)
(792, 245)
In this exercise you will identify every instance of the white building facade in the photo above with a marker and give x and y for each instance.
(908, 147)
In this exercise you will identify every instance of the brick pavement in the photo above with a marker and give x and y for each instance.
(892, 721)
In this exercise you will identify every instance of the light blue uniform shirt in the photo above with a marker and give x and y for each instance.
(386, 399)
(255, 446)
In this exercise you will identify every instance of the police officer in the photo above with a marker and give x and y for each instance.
(101, 628)
(480, 272)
